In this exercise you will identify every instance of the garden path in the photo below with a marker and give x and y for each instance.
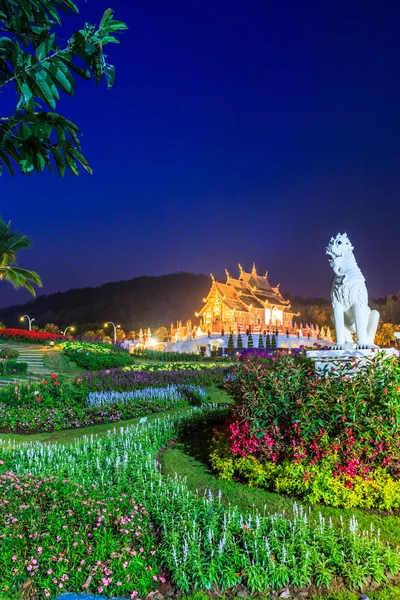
(33, 355)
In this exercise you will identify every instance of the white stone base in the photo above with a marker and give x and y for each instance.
(332, 359)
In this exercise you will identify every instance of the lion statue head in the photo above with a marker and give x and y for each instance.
(340, 250)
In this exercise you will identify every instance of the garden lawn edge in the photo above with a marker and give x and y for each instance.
(175, 461)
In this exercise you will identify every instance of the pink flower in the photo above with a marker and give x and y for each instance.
(40, 550)
(1, 462)
(134, 594)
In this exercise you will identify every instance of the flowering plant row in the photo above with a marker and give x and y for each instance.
(345, 426)
(33, 337)
(172, 366)
(168, 356)
(167, 394)
(202, 543)
(123, 380)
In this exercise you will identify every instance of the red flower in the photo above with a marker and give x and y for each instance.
(54, 376)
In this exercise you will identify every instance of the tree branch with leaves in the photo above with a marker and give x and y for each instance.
(39, 66)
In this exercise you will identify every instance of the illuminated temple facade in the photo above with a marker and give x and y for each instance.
(246, 303)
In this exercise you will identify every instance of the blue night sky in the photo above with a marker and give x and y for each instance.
(236, 131)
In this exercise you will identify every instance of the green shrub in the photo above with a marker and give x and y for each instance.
(10, 367)
(8, 352)
(97, 356)
(332, 439)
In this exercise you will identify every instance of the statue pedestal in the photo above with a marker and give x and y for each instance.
(332, 359)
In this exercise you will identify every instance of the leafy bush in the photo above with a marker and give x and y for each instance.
(324, 434)
(95, 357)
(8, 352)
(10, 367)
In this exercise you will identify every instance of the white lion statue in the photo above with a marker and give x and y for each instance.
(350, 297)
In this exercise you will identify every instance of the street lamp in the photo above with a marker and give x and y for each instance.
(30, 321)
(115, 329)
(71, 327)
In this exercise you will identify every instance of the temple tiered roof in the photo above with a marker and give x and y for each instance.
(247, 293)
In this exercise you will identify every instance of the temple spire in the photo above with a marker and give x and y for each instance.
(227, 275)
(254, 270)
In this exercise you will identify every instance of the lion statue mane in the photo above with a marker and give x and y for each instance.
(349, 295)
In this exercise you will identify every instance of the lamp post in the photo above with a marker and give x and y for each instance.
(30, 321)
(115, 329)
(71, 327)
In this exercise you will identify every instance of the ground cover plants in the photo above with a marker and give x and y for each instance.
(200, 541)
(160, 355)
(332, 439)
(172, 366)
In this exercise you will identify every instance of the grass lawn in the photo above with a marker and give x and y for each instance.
(55, 360)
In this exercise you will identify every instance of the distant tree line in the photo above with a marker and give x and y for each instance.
(157, 302)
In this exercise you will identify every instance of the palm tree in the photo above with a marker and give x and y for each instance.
(10, 244)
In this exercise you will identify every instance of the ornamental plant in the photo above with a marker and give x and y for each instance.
(95, 357)
(343, 425)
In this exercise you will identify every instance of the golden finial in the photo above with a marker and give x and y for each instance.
(212, 277)
(266, 274)
(254, 270)
(227, 274)
(240, 268)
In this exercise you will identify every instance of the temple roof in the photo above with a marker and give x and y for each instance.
(250, 290)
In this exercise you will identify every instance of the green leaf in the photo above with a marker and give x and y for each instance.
(110, 75)
(59, 159)
(45, 91)
(6, 161)
(107, 16)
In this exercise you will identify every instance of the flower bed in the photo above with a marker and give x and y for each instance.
(169, 393)
(54, 405)
(328, 439)
(33, 337)
(122, 380)
(95, 357)
(57, 535)
(201, 543)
